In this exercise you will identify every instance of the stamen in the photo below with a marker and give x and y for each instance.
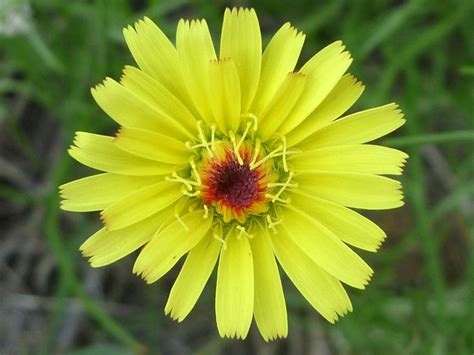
(194, 204)
(196, 173)
(206, 212)
(258, 145)
(217, 234)
(276, 184)
(236, 148)
(181, 222)
(272, 154)
(285, 165)
(284, 186)
(213, 136)
(203, 139)
(180, 205)
(200, 145)
(235, 145)
(243, 231)
(277, 198)
(253, 117)
(191, 194)
(249, 124)
(272, 224)
(284, 153)
(176, 178)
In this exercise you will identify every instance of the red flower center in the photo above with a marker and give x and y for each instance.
(232, 184)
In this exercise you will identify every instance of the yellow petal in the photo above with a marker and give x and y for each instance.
(323, 291)
(96, 192)
(360, 127)
(225, 91)
(340, 99)
(279, 59)
(99, 152)
(242, 42)
(159, 97)
(282, 103)
(366, 191)
(196, 50)
(156, 56)
(193, 277)
(358, 158)
(140, 204)
(130, 110)
(325, 249)
(349, 226)
(322, 71)
(170, 244)
(105, 247)
(151, 145)
(270, 308)
(235, 288)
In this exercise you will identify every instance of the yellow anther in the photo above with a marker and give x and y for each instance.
(217, 234)
(195, 171)
(284, 153)
(272, 154)
(254, 118)
(213, 136)
(285, 165)
(275, 198)
(236, 148)
(181, 222)
(181, 205)
(176, 178)
(272, 224)
(200, 145)
(242, 232)
(194, 205)
(256, 152)
(191, 194)
(206, 212)
(249, 124)
(284, 186)
(203, 139)
(276, 184)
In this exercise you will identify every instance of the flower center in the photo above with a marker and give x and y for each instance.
(236, 176)
(233, 187)
(234, 184)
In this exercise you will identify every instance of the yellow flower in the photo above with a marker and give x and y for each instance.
(238, 160)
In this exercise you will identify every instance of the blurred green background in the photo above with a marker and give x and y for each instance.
(418, 53)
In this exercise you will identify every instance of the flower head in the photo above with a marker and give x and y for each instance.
(238, 160)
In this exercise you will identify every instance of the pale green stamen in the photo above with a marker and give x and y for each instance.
(217, 234)
(258, 145)
(272, 154)
(176, 178)
(181, 222)
(195, 171)
(242, 232)
(235, 148)
(272, 224)
(283, 186)
(203, 139)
